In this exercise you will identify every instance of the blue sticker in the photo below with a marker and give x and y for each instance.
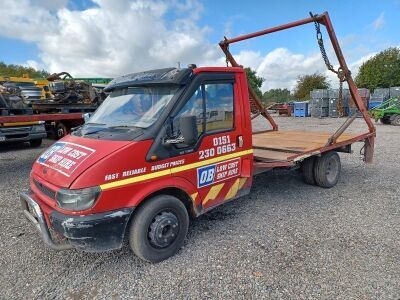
(57, 146)
(205, 175)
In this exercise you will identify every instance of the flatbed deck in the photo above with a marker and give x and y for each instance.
(290, 146)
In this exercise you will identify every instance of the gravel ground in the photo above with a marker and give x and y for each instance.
(284, 240)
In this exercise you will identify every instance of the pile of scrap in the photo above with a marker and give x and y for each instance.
(59, 92)
(18, 96)
(64, 89)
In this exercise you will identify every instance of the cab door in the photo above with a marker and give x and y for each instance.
(213, 161)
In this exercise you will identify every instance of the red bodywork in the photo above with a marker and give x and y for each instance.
(106, 164)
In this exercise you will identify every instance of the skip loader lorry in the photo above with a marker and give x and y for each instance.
(168, 145)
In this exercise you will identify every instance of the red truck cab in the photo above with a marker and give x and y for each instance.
(165, 145)
(168, 145)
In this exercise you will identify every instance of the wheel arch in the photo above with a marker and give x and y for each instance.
(171, 191)
(175, 192)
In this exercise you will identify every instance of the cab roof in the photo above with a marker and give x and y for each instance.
(159, 76)
(177, 76)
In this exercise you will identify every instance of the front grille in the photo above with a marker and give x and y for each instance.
(16, 136)
(15, 129)
(44, 189)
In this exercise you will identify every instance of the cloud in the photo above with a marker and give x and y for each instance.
(281, 68)
(25, 20)
(115, 37)
(111, 38)
(51, 5)
(379, 22)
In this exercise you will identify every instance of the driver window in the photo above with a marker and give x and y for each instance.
(193, 107)
(219, 106)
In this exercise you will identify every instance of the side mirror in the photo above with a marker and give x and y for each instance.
(188, 131)
(86, 117)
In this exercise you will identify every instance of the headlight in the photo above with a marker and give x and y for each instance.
(77, 199)
(38, 128)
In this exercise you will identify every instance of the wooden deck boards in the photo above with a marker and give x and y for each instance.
(279, 145)
(270, 155)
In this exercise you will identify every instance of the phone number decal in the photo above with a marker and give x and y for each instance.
(222, 145)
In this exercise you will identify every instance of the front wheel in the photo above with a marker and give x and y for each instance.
(159, 228)
(395, 120)
(35, 143)
(327, 169)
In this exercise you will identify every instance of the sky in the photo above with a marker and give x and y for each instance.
(108, 38)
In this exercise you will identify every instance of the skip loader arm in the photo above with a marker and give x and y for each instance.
(343, 73)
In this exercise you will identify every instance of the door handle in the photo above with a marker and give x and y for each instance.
(240, 141)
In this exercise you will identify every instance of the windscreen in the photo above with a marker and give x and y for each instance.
(133, 106)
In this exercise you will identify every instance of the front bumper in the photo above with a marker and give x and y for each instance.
(23, 133)
(22, 138)
(92, 233)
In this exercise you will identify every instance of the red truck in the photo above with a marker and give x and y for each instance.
(21, 128)
(168, 145)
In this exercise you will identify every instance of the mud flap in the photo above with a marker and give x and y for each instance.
(369, 145)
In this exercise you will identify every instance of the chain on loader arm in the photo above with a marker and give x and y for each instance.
(339, 72)
(255, 109)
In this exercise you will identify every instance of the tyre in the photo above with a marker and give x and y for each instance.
(327, 169)
(307, 168)
(158, 228)
(385, 121)
(395, 120)
(61, 131)
(35, 143)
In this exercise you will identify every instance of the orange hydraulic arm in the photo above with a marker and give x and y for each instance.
(322, 19)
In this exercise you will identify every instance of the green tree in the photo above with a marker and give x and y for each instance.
(277, 95)
(18, 71)
(306, 83)
(254, 81)
(381, 70)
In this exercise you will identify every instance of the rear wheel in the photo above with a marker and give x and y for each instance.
(159, 228)
(395, 120)
(327, 169)
(35, 143)
(385, 121)
(307, 167)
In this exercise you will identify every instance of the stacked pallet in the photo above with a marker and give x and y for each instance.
(319, 103)
(395, 92)
(301, 109)
(333, 95)
(378, 96)
(365, 95)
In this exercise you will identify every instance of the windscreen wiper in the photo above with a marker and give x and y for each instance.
(84, 132)
(124, 126)
(90, 123)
